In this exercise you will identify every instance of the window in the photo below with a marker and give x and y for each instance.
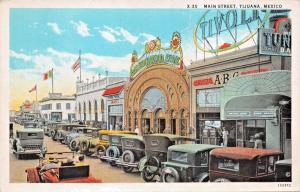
(104, 137)
(204, 159)
(261, 165)
(115, 140)
(229, 164)
(129, 143)
(179, 156)
(58, 106)
(68, 106)
(255, 129)
(208, 97)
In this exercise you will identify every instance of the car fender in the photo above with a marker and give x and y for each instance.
(203, 177)
(142, 163)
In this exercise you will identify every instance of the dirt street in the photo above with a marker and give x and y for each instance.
(98, 169)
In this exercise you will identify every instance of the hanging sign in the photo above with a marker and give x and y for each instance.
(155, 54)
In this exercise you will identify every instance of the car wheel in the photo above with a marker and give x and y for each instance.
(84, 147)
(101, 152)
(169, 175)
(152, 165)
(73, 145)
(113, 151)
(127, 169)
(222, 180)
(147, 176)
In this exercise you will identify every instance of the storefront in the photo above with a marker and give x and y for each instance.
(115, 102)
(157, 98)
(261, 105)
(210, 76)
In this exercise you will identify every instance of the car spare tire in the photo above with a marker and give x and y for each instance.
(84, 146)
(169, 175)
(73, 145)
(113, 151)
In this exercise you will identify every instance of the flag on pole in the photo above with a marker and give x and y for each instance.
(76, 65)
(33, 89)
(48, 74)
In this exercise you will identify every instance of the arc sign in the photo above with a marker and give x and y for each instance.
(233, 45)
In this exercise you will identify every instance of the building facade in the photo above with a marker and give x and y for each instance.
(114, 95)
(58, 107)
(157, 97)
(90, 102)
(247, 73)
(246, 94)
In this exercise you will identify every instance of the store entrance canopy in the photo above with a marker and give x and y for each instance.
(255, 96)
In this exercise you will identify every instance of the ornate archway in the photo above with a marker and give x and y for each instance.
(158, 89)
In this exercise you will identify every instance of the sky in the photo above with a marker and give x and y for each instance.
(42, 39)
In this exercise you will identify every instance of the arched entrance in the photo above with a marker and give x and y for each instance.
(96, 110)
(84, 111)
(153, 94)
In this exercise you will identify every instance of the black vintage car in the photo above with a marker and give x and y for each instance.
(187, 163)
(133, 148)
(283, 170)
(156, 148)
(114, 151)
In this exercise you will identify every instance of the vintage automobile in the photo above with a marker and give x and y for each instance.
(133, 148)
(237, 164)
(63, 130)
(283, 170)
(84, 133)
(187, 163)
(114, 151)
(50, 125)
(60, 167)
(97, 146)
(156, 148)
(28, 141)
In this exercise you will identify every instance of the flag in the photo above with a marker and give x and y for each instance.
(48, 74)
(76, 65)
(33, 89)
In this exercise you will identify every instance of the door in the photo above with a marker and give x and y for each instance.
(162, 125)
(146, 125)
(173, 126)
(287, 140)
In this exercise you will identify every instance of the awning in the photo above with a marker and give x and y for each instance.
(255, 96)
(113, 91)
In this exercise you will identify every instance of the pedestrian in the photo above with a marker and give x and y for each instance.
(225, 137)
(137, 131)
(110, 126)
(258, 141)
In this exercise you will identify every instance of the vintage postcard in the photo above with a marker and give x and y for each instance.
(149, 96)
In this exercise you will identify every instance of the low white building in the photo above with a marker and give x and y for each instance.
(58, 107)
(91, 105)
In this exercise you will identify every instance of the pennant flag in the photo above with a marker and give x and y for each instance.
(76, 65)
(33, 89)
(48, 74)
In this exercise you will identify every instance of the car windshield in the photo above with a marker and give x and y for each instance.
(30, 125)
(179, 156)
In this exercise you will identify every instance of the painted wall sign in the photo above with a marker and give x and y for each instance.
(272, 43)
(263, 114)
(155, 54)
(213, 24)
(220, 79)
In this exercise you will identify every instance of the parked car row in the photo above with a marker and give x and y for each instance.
(172, 158)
